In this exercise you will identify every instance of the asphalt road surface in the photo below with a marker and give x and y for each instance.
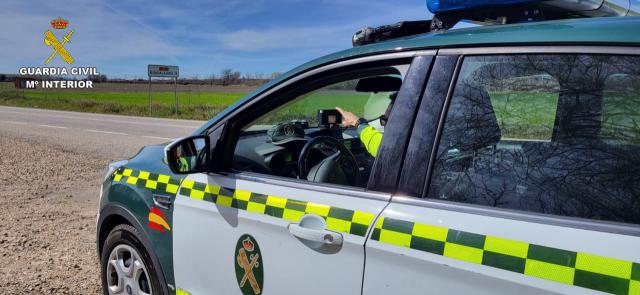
(107, 135)
(51, 166)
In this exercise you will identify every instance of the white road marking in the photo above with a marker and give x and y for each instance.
(157, 137)
(52, 126)
(83, 117)
(102, 131)
(16, 122)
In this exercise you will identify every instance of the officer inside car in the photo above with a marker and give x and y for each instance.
(369, 135)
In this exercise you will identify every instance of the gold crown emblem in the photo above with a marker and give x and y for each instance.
(59, 23)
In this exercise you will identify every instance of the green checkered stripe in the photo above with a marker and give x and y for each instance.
(158, 182)
(573, 268)
(338, 219)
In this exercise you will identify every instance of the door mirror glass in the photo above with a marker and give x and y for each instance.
(188, 155)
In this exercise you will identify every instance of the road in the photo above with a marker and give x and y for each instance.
(112, 136)
(51, 167)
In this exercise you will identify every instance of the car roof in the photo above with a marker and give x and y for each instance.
(595, 31)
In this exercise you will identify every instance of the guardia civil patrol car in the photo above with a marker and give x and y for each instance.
(502, 158)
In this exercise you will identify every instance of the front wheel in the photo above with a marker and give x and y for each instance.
(126, 265)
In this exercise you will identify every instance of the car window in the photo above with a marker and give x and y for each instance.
(304, 139)
(305, 107)
(555, 134)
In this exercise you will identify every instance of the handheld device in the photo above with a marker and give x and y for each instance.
(329, 118)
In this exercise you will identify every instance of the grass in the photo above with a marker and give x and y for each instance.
(525, 115)
(192, 105)
(307, 108)
(532, 115)
(521, 115)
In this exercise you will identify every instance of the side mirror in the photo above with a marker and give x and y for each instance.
(188, 155)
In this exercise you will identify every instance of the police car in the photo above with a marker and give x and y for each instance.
(509, 164)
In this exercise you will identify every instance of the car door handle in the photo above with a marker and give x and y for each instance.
(314, 235)
(163, 202)
(312, 228)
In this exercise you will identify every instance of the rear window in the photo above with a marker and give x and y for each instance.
(553, 134)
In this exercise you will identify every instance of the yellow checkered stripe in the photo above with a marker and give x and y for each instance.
(590, 271)
(182, 292)
(158, 182)
(338, 219)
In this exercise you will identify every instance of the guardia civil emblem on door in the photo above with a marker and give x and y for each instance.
(249, 267)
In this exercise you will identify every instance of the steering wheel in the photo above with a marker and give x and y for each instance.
(339, 165)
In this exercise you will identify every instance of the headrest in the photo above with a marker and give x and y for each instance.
(579, 116)
(471, 121)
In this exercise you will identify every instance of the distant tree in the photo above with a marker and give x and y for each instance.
(98, 78)
(3, 77)
(230, 77)
(226, 76)
(212, 78)
(274, 75)
(235, 77)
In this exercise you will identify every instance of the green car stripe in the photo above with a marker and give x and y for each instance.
(593, 272)
(552, 255)
(338, 219)
(635, 272)
(573, 268)
(466, 239)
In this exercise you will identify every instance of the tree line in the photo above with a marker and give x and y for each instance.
(226, 77)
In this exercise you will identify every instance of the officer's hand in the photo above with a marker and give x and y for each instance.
(348, 118)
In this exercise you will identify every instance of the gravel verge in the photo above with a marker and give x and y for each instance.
(48, 206)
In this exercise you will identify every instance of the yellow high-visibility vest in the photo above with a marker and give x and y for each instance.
(371, 139)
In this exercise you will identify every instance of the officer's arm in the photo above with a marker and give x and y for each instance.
(371, 138)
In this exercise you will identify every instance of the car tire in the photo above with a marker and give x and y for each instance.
(126, 266)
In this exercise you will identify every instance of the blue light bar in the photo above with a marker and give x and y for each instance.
(589, 8)
(440, 6)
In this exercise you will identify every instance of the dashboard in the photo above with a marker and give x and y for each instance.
(256, 151)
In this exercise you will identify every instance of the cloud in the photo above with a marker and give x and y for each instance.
(286, 38)
(331, 32)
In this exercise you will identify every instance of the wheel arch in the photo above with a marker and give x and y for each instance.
(113, 215)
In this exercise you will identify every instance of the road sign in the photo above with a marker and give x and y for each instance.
(163, 71)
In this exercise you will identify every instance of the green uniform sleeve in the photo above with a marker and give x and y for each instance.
(184, 164)
(371, 138)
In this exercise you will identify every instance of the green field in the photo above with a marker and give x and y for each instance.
(192, 105)
(521, 115)
(197, 105)
(307, 108)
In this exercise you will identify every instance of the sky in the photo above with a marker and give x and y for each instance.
(120, 38)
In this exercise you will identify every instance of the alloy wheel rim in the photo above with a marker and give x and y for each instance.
(126, 272)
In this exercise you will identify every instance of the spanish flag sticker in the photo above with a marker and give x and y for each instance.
(157, 220)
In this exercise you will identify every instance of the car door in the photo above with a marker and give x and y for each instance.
(250, 233)
(522, 186)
